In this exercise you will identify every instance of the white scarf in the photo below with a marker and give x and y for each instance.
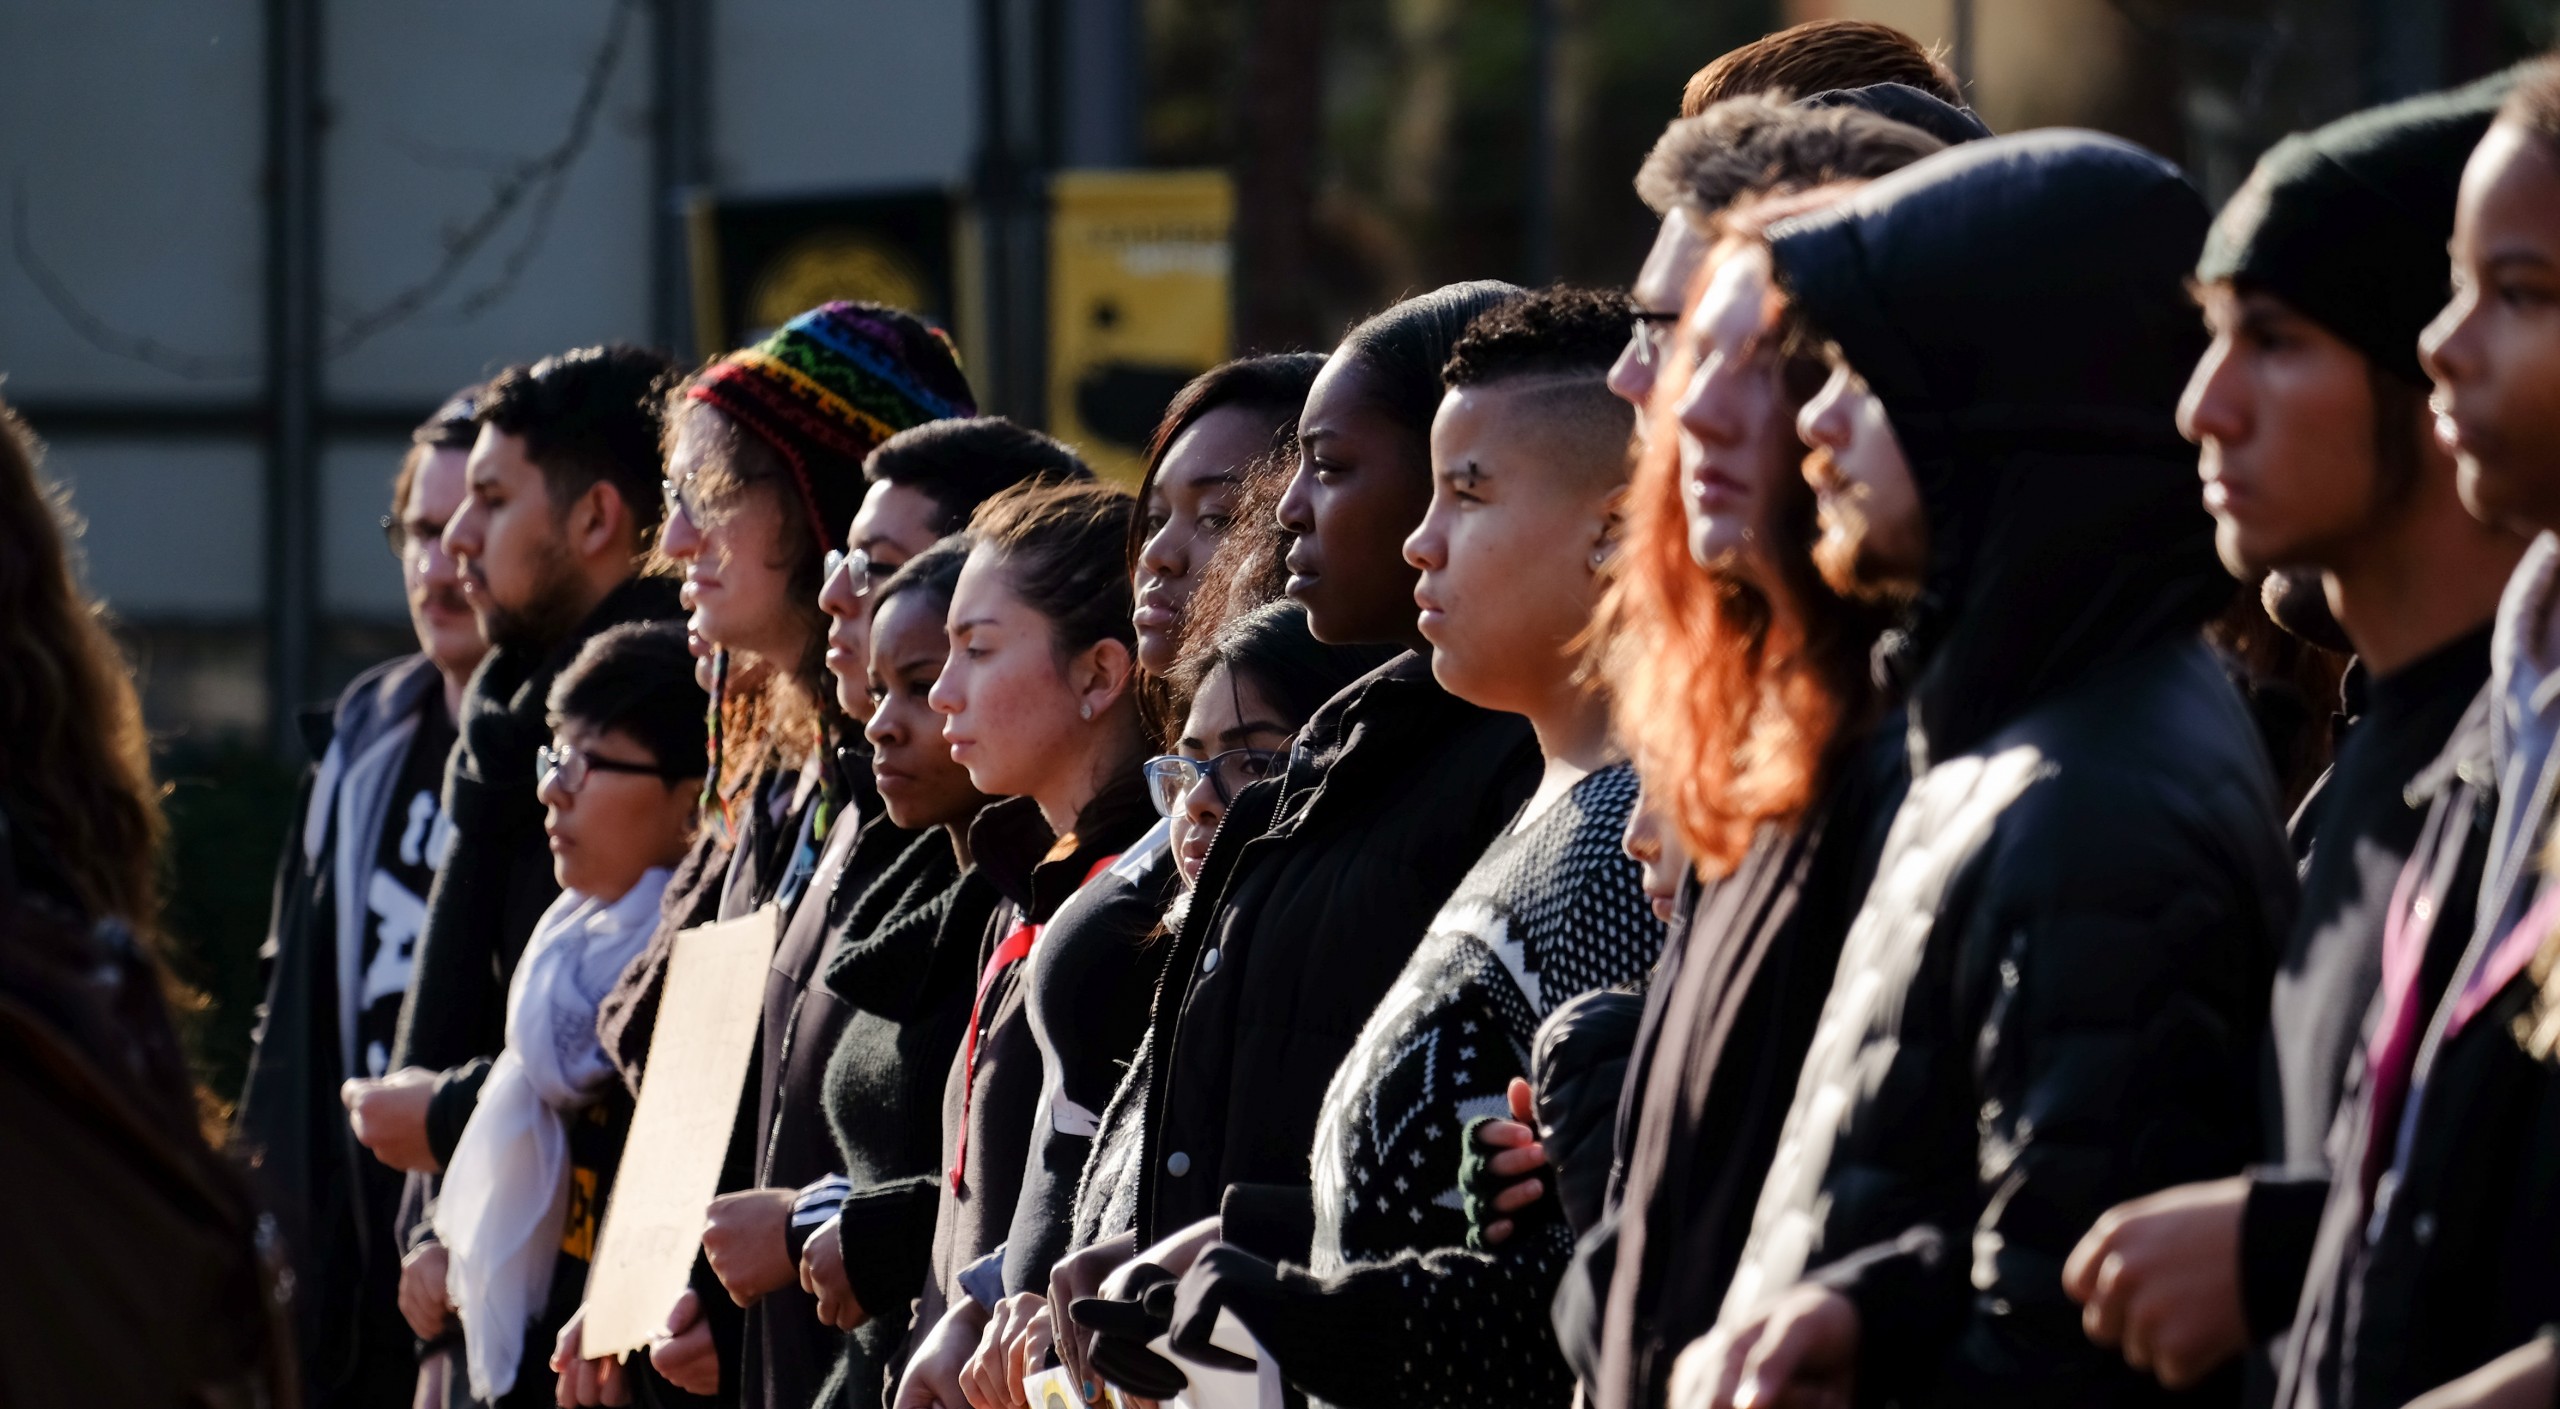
(506, 1189)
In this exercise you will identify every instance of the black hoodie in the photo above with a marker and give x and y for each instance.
(2051, 998)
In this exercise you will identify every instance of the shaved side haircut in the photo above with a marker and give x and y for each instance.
(1548, 354)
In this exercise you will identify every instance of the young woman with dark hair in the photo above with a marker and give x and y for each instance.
(1039, 704)
(1252, 686)
(1221, 422)
(1320, 882)
(897, 967)
(1387, 1306)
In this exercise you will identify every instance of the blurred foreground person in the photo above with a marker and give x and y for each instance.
(2050, 999)
(135, 1249)
(2433, 1256)
(351, 896)
(2319, 454)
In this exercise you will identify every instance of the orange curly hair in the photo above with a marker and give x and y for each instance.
(1731, 710)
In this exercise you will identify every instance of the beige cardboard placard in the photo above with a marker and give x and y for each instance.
(689, 1094)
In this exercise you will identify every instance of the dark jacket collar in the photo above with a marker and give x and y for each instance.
(372, 702)
(2018, 305)
(1037, 869)
(1366, 734)
(520, 677)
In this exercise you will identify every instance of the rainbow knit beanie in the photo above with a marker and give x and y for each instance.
(831, 384)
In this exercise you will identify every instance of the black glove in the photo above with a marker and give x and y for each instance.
(1329, 1339)
(1479, 1186)
(1122, 1327)
(1225, 1277)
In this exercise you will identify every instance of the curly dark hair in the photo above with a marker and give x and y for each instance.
(1561, 331)
(1755, 145)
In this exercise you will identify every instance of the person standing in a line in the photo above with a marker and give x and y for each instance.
(351, 896)
(562, 495)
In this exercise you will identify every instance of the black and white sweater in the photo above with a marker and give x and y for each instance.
(1393, 1310)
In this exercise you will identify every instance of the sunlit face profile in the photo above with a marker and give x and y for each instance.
(911, 764)
(2494, 353)
(2282, 411)
(736, 570)
(1009, 712)
(1874, 543)
(1736, 424)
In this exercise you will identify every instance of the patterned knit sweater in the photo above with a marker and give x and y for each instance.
(1393, 1310)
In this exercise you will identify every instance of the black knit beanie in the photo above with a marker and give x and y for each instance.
(2348, 222)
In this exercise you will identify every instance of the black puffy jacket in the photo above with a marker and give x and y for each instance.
(2052, 997)
(1315, 892)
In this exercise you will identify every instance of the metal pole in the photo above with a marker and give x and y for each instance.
(293, 359)
(995, 198)
(682, 40)
(1538, 212)
(1960, 36)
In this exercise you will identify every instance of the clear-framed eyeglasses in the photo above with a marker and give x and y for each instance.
(409, 541)
(1647, 333)
(679, 500)
(1171, 777)
(864, 572)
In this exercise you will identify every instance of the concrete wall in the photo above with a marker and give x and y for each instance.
(132, 294)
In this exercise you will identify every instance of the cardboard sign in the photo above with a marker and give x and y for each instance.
(689, 1095)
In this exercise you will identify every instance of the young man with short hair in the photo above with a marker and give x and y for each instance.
(351, 892)
(2319, 454)
(2432, 1263)
(1704, 160)
(2049, 1000)
(562, 500)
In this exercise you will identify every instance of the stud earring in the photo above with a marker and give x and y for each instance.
(1085, 709)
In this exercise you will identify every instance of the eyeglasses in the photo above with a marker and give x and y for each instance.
(868, 572)
(1171, 777)
(570, 765)
(407, 540)
(679, 500)
(1645, 335)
